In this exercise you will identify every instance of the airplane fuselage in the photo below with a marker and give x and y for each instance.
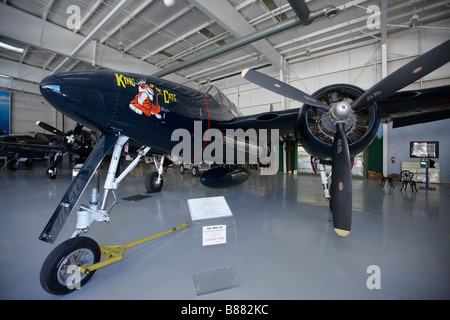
(146, 109)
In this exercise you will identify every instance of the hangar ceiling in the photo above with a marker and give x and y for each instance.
(148, 37)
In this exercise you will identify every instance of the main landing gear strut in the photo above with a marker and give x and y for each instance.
(71, 264)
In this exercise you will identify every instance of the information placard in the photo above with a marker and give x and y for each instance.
(209, 208)
(213, 235)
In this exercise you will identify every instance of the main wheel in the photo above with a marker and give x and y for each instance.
(151, 182)
(60, 274)
(195, 171)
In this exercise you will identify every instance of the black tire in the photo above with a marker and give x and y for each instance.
(58, 274)
(150, 182)
(195, 171)
(29, 162)
(182, 170)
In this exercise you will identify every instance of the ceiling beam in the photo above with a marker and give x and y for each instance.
(89, 14)
(287, 24)
(231, 20)
(157, 28)
(353, 23)
(17, 72)
(126, 20)
(26, 28)
(98, 28)
(177, 40)
(223, 35)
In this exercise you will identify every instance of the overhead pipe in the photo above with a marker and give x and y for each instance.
(306, 16)
(301, 11)
(328, 11)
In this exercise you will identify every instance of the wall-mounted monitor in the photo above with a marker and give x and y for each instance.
(424, 149)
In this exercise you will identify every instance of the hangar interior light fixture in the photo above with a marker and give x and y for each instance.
(414, 21)
(308, 52)
(10, 47)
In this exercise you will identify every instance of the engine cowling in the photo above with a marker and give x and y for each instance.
(315, 130)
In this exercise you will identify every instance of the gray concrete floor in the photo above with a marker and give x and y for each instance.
(286, 246)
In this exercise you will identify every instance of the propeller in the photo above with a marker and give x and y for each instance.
(340, 113)
(71, 141)
(71, 138)
(282, 88)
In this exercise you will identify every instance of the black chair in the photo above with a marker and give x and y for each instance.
(407, 179)
(383, 182)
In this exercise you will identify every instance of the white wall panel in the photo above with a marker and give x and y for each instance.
(28, 108)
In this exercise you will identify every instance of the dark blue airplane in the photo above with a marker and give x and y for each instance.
(334, 124)
(37, 145)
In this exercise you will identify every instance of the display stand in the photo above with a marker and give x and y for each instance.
(426, 163)
(215, 246)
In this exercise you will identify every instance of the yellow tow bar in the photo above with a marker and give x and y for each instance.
(115, 253)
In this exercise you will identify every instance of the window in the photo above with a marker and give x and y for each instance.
(222, 99)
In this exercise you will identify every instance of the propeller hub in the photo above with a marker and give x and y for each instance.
(340, 112)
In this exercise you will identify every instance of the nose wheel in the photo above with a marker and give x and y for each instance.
(60, 271)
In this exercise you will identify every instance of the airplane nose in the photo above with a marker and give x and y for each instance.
(50, 85)
(49, 81)
(73, 95)
(50, 88)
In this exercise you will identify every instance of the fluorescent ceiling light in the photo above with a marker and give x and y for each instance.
(10, 47)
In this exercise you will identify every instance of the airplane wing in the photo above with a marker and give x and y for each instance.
(283, 120)
(403, 109)
(24, 147)
(416, 106)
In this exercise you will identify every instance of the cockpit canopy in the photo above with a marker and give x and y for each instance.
(220, 98)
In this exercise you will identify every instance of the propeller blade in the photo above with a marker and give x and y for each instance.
(406, 75)
(49, 128)
(341, 185)
(282, 88)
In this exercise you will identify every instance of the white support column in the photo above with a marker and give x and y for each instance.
(283, 78)
(383, 75)
(385, 125)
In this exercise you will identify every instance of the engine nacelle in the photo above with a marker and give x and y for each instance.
(315, 130)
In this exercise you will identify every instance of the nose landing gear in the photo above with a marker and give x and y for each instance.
(73, 263)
